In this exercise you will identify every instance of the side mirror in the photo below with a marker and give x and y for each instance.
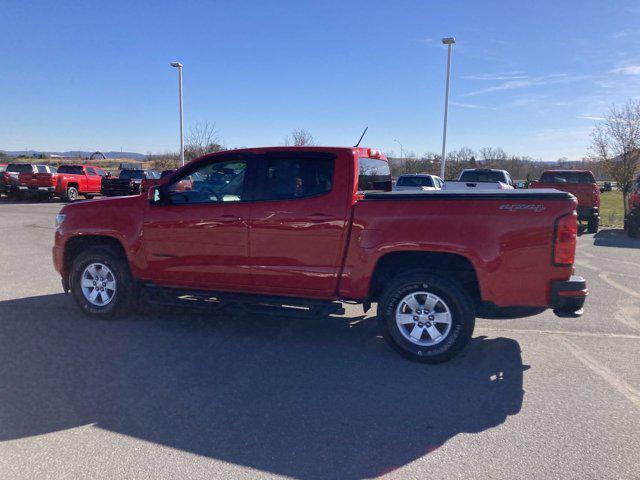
(154, 195)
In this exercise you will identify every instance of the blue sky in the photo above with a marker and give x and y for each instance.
(531, 77)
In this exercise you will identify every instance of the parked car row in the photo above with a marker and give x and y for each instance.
(70, 182)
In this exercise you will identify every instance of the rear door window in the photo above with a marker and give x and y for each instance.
(91, 171)
(373, 174)
(288, 177)
(42, 169)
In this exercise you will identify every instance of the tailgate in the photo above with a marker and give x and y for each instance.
(584, 192)
(35, 180)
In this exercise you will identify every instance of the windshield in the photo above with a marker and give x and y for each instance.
(131, 174)
(415, 182)
(71, 169)
(20, 168)
(567, 177)
(482, 176)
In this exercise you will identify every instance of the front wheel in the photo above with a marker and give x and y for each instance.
(425, 317)
(101, 283)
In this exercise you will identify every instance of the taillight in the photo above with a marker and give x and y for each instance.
(564, 240)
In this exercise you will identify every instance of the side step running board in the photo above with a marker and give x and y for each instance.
(251, 303)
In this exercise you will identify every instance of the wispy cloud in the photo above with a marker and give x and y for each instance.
(621, 34)
(554, 78)
(472, 106)
(515, 75)
(628, 70)
(590, 117)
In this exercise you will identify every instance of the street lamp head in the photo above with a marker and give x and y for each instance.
(449, 40)
(176, 64)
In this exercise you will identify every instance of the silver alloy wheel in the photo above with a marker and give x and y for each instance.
(423, 318)
(98, 284)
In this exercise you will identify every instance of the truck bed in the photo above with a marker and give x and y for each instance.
(546, 193)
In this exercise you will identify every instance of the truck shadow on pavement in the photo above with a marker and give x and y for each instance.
(307, 398)
(615, 237)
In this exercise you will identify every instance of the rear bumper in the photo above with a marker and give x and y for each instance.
(585, 213)
(26, 188)
(568, 297)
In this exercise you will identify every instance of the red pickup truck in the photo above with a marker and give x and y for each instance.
(40, 180)
(76, 180)
(284, 228)
(632, 220)
(580, 183)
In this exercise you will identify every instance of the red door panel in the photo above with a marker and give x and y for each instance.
(296, 244)
(200, 246)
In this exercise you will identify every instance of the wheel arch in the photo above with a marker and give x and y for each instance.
(76, 245)
(451, 265)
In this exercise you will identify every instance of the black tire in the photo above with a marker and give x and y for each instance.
(593, 224)
(124, 291)
(71, 194)
(460, 305)
(89, 197)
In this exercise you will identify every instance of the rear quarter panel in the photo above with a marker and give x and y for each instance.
(510, 247)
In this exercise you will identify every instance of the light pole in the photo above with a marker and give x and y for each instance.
(178, 65)
(401, 149)
(449, 41)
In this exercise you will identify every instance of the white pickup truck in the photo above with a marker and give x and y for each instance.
(481, 179)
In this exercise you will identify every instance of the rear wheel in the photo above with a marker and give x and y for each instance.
(101, 283)
(593, 224)
(72, 194)
(425, 317)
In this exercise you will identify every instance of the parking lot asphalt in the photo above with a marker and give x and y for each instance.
(181, 394)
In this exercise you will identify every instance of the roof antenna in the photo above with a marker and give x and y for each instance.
(361, 137)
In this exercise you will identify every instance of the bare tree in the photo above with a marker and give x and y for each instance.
(299, 137)
(616, 142)
(202, 139)
(164, 161)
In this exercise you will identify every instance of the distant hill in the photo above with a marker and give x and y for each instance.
(76, 153)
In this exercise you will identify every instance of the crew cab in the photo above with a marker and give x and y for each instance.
(129, 182)
(40, 180)
(632, 219)
(300, 229)
(580, 183)
(75, 180)
(418, 181)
